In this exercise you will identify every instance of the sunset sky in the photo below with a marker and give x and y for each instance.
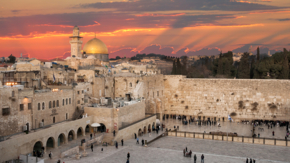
(41, 29)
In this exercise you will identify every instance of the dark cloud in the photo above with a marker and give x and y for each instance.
(168, 5)
(101, 22)
(15, 11)
(286, 19)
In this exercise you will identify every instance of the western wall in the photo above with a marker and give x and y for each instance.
(243, 99)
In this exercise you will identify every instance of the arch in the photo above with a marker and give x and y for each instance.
(37, 147)
(38, 106)
(140, 132)
(53, 104)
(50, 143)
(57, 103)
(144, 130)
(102, 128)
(88, 129)
(49, 105)
(61, 139)
(80, 132)
(43, 106)
(71, 135)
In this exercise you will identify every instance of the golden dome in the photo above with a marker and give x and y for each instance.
(95, 46)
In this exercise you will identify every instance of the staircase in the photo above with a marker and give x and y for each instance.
(137, 89)
(109, 137)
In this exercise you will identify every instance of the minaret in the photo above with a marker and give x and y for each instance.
(76, 42)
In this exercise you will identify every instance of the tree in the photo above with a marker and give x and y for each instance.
(173, 72)
(220, 65)
(178, 67)
(117, 57)
(285, 67)
(244, 67)
(184, 65)
(12, 59)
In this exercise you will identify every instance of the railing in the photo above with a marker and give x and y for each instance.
(121, 128)
(241, 139)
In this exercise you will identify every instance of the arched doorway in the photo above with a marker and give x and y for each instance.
(37, 148)
(61, 139)
(149, 128)
(144, 130)
(88, 129)
(80, 132)
(102, 128)
(71, 135)
(140, 132)
(50, 143)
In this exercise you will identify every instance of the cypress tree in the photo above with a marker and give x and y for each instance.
(178, 67)
(285, 67)
(173, 72)
(220, 65)
(244, 67)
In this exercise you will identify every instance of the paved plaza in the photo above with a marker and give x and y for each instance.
(169, 149)
(239, 128)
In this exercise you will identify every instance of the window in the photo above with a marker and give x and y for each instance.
(5, 111)
(13, 94)
(29, 106)
(62, 102)
(43, 106)
(53, 105)
(66, 116)
(21, 107)
(78, 92)
(157, 93)
(38, 106)
(69, 100)
(57, 103)
(49, 106)
(66, 101)
(79, 101)
(53, 119)
(82, 91)
(82, 99)
(130, 84)
(88, 89)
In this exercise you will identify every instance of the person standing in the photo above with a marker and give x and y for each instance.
(194, 158)
(142, 142)
(50, 155)
(128, 156)
(247, 161)
(137, 142)
(92, 147)
(273, 133)
(114, 132)
(116, 145)
(157, 131)
(185, 149)
(183, 152)
(254, 161)
(202, 158)
(91, 135)
(250, 160)
(127, 161)
(122, 141)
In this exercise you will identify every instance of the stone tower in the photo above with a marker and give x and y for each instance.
(76, 43)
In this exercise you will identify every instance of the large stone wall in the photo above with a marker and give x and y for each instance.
(247, 98)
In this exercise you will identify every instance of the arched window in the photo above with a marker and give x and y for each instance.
(130, 84)
(38, 106)
(49, 104)
(69, 100)
(66, 101)
(43, 106)
(57, 103)
(53, 105)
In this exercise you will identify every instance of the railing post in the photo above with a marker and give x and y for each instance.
(242, 138)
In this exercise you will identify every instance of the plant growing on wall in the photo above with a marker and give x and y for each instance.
(254, 105)
(241, 105)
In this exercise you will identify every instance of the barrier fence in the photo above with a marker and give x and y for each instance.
(241, 139)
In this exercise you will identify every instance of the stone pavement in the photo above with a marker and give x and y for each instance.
(169, 149)
(240, 129)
